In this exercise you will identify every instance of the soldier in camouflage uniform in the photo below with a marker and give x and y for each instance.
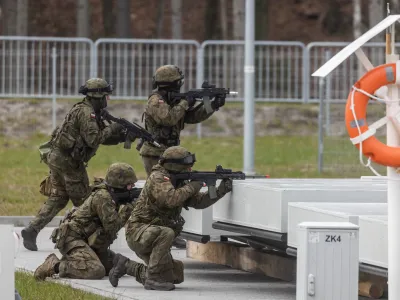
(71, 146)
(86, 233)
(165, 118)
(156, 219)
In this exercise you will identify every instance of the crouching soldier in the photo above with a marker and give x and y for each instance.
(156, 220)
(84, 236)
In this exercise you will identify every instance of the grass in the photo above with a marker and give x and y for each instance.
(278, 156)
(30, 289)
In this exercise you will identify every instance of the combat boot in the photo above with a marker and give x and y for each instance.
(179, 243)
(46, 269)
(158, 285)
(118, 270)
(29, 236)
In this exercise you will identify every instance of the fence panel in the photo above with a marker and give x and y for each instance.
(346, 74)
(279, 69)
(130, 63)
(338, 154)
(26, 66)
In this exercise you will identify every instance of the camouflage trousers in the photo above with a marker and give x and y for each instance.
(149, 162)
(69, 180)
(153, 245)
(80, 261)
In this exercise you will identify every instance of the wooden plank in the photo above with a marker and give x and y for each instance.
(244, 258)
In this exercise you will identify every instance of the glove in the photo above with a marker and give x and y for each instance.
(116, 128)
(218, 102)
(191, 101)
(196, 185)
(225, 186)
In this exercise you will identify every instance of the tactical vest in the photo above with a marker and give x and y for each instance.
(67, 138)
(166, 135)
(147, 212)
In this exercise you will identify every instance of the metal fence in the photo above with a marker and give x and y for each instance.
(26, 66)
(46, 67)
(130, 63)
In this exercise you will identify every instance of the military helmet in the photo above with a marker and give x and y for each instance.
(168, 76)
(177, 159)
(120, 175)
(96, 88)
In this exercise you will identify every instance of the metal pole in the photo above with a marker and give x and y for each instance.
(321, 125)
(327, 98)
(393, 194)
(249, 90)
(54, 79)
(199, 81)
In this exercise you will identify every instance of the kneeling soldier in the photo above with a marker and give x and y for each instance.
(84, 236)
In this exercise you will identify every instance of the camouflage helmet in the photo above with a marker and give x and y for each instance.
(177, 159)
(96, 88)
(119, 175)
(168, 76)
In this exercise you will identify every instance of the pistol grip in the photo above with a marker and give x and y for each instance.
(212, 191)
(127, 143)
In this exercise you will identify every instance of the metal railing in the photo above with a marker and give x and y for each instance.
(26, 66)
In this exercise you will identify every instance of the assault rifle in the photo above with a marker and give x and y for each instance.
(210, 178)
(206, 93)
(133, 131)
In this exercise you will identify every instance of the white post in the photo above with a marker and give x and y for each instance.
(393, 194)
(248, 133)
(7, 269)
(54, 80)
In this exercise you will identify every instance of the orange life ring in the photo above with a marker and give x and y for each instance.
(371, 147)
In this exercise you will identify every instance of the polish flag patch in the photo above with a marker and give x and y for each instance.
(93, 116)
(160, 101)
(166, 178)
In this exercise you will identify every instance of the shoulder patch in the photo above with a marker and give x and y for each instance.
(166, 178)
(92, 115)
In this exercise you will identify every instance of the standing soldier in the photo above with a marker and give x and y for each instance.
(85, 234)
(156, 220)
(165, 118)
(71, 146)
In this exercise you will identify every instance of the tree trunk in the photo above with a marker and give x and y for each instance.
(375, 15)
(160, 18)
(22, 17)
(261, 19)
(211, 20)
(123, 19)
(83, 19)
(9, 13)
(357, 25)
(223, 19)
(238, 16)
(176, 19)
(108, 18)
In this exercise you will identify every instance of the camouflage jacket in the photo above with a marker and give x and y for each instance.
(160, 203)
(165, 122)
(98, 214)
(82, 132)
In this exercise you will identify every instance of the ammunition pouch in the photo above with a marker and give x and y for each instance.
(66, 141)
(78, 152)
(61, 235)
(45, 186)
(44, 150)
(54, 235)
(98, 240)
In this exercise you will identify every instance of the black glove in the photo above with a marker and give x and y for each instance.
(116, 128)
(218, 102)
(191, 101)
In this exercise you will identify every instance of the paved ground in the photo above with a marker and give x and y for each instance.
(202, 280)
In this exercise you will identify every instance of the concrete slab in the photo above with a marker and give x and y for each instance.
(202, 280)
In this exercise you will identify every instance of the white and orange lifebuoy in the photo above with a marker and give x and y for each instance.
(360, 133)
